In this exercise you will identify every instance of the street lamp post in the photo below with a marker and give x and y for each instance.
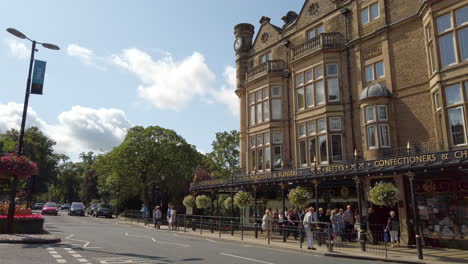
(11, 209)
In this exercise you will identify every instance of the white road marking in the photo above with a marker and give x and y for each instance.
(86, 242)
(154, 240)
(71, 251)
(211, 240)
(53, 252)
(61, 260)
(56, 256)
(82, 260)
(255, 260)
(50, 248)
(76, 255)
(158, 241)
(67, 249)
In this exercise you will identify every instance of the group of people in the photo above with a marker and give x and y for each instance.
(158, 216)
(340, 224)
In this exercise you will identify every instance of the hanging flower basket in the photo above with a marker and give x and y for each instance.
(242, 199)
(202, 201)
(227, 203)
(189, 201)
(298, 196)
(17, 166)
(383, 194)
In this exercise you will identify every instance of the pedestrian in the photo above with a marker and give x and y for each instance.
(348, 219)
(144, 213)
(393, 226)
(335, 221)
(267, 223)
(157, 216)
(309, 220)
(372, 226)
(170, 218)
(173, 218)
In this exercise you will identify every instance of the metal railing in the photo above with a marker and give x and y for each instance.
(324, 40)
(326, 237)
(265, 68)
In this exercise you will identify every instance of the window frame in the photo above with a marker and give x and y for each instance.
(368, 12)
(464, 126)
(454, 30)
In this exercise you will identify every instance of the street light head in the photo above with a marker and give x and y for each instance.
(16, 33)
(50, 46)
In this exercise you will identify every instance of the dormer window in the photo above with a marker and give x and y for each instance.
(314, 32)
(265, 57)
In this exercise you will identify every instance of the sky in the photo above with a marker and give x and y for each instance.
(126, 63)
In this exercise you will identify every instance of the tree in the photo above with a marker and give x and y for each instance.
(225, 154)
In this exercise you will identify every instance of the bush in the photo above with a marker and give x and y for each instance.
(189, 201)
(227, 203)
(298, 196)
(242, 199)
(383, 194)
(203, 201)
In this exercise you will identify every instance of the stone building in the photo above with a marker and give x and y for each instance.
(360, 91)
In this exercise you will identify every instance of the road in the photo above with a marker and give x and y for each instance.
(105, 241)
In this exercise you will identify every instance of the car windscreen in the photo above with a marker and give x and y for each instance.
(105, 206)
(77, 206)
(50, 205)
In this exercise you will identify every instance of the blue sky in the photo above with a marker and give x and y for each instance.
(126, 63)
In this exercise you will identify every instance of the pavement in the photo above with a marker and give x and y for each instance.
(29, 238)
(399, 254)
(88, 240)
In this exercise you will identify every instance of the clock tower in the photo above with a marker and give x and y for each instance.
(242, 44)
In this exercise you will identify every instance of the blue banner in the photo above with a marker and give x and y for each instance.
(38, 77)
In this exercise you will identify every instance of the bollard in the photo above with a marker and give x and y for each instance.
(232, 230)
(185, 223)
(219, 226)
(284, 233)
(242, 229)
(301, 240)
(319, 237)
(201, 228)
(362, 239)
(256, 230)
(211, 226)
(330, 242)
(269, 234)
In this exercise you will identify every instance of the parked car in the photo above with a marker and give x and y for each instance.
(91, 208)
(65, 206)
(103, 209)
(77, 209)
(50, 208)
(38, 206)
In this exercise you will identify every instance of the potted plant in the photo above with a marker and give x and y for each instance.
(298, 196)
(202, 201)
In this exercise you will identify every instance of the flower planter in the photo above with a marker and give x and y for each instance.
(24, 226)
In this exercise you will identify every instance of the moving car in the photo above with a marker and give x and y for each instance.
(103, 209)
(65, 206)
(50, 208)
(38, 206)
(77, 209)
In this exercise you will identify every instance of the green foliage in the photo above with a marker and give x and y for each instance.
(242, 199)
(227, 203)
(189, 201)
(203, 201)
(225, 154)
(298, 196)
(383, 194)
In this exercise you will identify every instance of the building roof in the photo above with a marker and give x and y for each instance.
(375, 90)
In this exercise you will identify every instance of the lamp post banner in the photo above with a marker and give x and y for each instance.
(38, 77)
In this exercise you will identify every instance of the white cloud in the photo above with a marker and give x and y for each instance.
(226, 94)
(166, 83)
(80, 129)
(17, 49)
(85, 55)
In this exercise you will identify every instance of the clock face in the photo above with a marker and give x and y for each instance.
(237, 44)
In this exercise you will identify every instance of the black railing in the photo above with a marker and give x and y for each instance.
(324, 40)
(265, 68)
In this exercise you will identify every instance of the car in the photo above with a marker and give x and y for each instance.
(103, 209)
(50, 208)
(77, 208)
(38, 206)
(91, 208)
(65, 206)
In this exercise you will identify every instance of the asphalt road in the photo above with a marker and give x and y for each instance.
(105, 241)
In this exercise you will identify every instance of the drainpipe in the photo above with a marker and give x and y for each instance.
(345, 12)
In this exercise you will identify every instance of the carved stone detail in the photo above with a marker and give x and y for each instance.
(372, 53)
(313, 9)
(265, 36)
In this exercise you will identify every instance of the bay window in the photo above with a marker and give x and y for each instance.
(310, 86)
(452, 32)
(377, 129)
(260, 154)
(260, 109)
(456, 99)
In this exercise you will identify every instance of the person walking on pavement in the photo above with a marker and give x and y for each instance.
(309, 219)
(267, 223)
(393, 226)
(157, 216)
(348, 219)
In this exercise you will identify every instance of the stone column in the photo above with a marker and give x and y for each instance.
(402, 208)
